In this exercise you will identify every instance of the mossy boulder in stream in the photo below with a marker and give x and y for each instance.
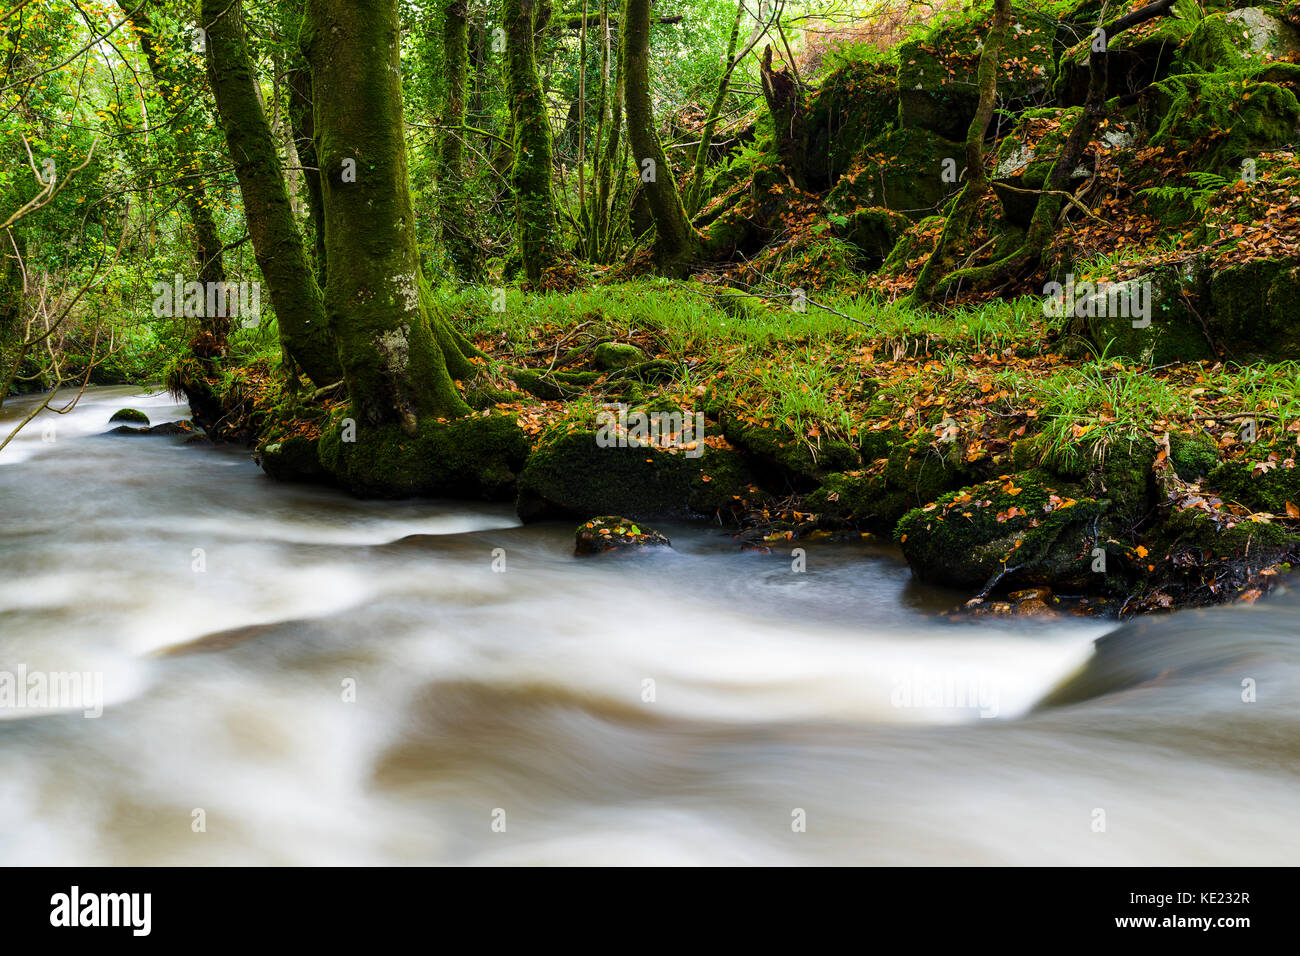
(473, 457)
(129, 415)
(573, 476)
(1016, 530)
(295, 459)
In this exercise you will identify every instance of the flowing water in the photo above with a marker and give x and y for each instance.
(290, 676)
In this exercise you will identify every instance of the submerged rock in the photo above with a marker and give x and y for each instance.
(293, 459)
(165, 428)
(612, 533)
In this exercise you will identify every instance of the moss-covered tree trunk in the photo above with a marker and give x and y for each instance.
(453, 202)
(390, 346)
(277, 243)
(530, 176)
(209, 341)
(609, 161)
(677, 244)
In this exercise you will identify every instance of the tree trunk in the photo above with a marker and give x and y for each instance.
(677, 244)
(453, 203)
(277, 243)
(531, 174)
(209, 342)
(375, 299)
(785, 103)
(303, 125)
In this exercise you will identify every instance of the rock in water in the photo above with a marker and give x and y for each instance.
(130, 415)
(612, 533)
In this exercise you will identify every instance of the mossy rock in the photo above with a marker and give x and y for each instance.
(1025, 159)
(1126, 476)
(129, 415)
(779, 456)
(912, 244)
(572, 476)
(1200, 544)
(902, 170)
(873, 232)
(1253, 309)
(1253, 483)
(1193, 456)
(1171, 332)
(1215, 121)
(1135, 59)
(474, 457)
(972, 537)
(614, 533)
(1237, 39)
(294, 459)
(937, 85)
(852, 106)
(609, 356)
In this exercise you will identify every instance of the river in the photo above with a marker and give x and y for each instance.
(292, 676)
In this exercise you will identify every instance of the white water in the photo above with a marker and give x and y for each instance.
(523, 691)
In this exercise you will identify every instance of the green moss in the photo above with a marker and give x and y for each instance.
(937, 73)
(474, 457)
(901, 170)
(854, 105)
(572, 476)
(970, 537)
(1135, 58)
(129, 415)
(1218, 121)
(1025, 164)
(293, 459)
(614, 355)
(1235, 40)
(1192, 455)
(913, 243)
(1252, 309)
(1263, 487)
(874, 232)
(782, 454)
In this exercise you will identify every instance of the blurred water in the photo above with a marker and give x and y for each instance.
(228, 614)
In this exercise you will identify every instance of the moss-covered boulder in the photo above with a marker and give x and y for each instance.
(573, 476)
(294, 459)
(609, 356)
(613, 533)
(903, 170)
(1214, 121)
(873, 232)
(1193, 456)
(473, 457)
(853, 105)
(1172, 296)
(916, 472)
(937, 73)
(1135, 59)
(1253, 309)
(1237, 39)
(1265, 481)
(1016, 530)
(129, 415)
(778, 456)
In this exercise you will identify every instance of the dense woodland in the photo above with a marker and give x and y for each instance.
(1010, 285)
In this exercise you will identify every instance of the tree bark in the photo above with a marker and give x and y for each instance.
(375, 297)
(677, 244)
(530, 176)
(277, 243)
(453, 202)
